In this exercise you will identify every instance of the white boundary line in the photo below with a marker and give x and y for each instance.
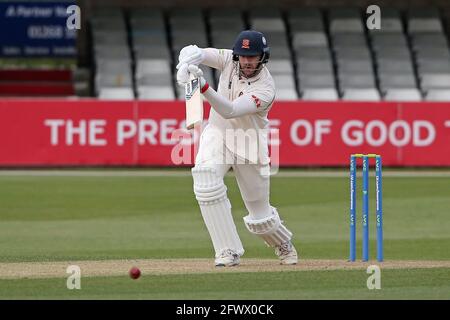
(186, 173)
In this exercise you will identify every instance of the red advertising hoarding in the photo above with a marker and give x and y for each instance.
(91, 132)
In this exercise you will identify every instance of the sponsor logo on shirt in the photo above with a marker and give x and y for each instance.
(257, 101)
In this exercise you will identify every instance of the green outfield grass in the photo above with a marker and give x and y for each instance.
(88, 218)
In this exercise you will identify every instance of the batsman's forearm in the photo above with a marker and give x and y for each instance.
(210, 58)
(226, 108)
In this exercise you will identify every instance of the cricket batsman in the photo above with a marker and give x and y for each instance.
(245, 94)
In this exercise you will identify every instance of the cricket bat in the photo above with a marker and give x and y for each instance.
(194, 102)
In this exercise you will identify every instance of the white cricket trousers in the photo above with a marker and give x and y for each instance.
(212, 162)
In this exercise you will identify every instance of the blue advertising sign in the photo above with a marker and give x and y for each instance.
(36, 29)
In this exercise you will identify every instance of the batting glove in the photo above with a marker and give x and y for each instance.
(183, 74)
(198, 73)
(190, 55)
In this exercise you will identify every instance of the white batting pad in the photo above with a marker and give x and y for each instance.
(271, 229)
(211, 194)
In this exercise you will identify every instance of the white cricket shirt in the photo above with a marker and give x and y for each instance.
(261, 89)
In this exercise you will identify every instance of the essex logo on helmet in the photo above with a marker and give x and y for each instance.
(245, 44)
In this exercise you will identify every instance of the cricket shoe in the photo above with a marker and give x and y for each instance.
(227, 258)
(286, 253)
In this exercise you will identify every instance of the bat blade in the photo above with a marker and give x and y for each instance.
(194, 103)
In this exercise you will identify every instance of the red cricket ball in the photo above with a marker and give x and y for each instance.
(135, 273)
